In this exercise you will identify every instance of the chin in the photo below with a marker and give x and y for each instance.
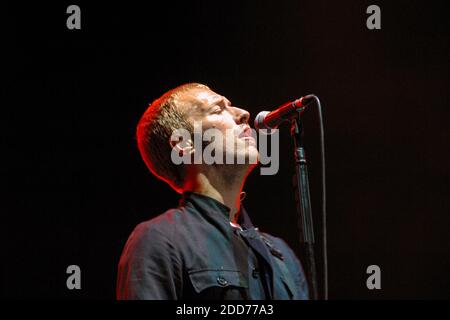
(253, 152)
(252, 156)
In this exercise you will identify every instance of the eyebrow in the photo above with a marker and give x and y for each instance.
(220, 99)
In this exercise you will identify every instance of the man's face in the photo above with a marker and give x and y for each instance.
(217, 112)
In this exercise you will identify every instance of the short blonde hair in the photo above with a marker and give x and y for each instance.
(159, 121)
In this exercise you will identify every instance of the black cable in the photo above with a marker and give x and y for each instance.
(324, 211)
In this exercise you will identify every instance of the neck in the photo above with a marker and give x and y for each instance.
(225, 187)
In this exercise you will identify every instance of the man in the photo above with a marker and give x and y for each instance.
(207, 247)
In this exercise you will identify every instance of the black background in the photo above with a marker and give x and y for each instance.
(74, 186)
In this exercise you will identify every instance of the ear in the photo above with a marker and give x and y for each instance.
(183, 147)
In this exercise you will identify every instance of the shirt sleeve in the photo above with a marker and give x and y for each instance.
(149, 268)
(295, 269)
(300, 278)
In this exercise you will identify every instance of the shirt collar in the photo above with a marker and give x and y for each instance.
(209, 205)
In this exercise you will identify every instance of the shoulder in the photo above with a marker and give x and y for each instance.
(276, 241)
(156, 233)
(281, 245)
(162, 225)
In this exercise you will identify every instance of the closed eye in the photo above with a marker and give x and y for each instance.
(217, 110)
(219, 106)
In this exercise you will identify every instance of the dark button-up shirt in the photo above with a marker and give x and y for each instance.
(193, 252)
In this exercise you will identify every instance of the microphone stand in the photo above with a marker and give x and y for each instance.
(303, 202)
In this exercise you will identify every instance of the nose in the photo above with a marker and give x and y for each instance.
(241, 116)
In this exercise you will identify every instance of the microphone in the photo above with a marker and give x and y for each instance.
(288, 111)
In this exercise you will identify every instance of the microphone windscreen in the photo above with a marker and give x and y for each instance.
(259, 120)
